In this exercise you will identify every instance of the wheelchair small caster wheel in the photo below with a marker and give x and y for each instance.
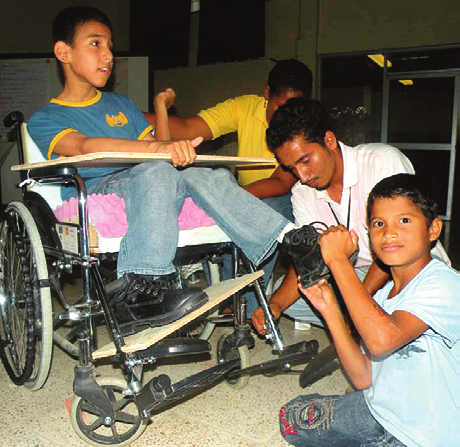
(225, 352)
(95, 430)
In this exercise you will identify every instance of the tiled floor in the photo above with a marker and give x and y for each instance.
(221, 416)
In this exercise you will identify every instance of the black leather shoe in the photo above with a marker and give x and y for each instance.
(301, 244)
(324, 364)
(140, 302)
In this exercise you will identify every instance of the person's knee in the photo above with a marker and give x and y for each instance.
(152, 183)
(305, 418)
(216, 175)
(159, 172)
(287, 429)
(225, 174)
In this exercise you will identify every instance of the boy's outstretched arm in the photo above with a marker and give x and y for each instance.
(356, 364)
(75, 143)
(163, 101)
(188, 127)
(382, 333)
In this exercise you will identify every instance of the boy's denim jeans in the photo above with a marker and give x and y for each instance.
(333, 421)
(154, 193)
(283, 206)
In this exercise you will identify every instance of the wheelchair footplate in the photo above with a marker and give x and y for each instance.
(217, 293)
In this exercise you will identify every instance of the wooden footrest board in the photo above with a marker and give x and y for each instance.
(217, 293)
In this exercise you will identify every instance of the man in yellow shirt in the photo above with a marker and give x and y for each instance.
(250, 116)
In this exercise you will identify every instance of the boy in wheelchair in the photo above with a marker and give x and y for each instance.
(82, 119)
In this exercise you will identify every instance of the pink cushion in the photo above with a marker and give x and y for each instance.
(107, 213)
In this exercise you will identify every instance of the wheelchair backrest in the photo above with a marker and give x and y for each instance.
(51, 193)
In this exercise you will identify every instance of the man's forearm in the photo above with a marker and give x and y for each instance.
(288, 292)
(375, 278)
(278, 184)
(267, 187)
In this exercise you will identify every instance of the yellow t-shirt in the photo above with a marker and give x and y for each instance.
(247, 116)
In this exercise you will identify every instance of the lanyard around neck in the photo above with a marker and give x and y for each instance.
(348, 214)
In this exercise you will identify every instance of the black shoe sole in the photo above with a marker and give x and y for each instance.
(324, 364)
(195, 302)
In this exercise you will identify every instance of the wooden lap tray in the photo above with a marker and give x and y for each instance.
(126, 159)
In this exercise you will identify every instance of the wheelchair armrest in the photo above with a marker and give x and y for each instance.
(53, 172)
(13, 118)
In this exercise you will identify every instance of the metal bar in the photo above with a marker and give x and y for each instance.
(83, 239)
(108, 311)
(453, 144)
(385, 108)
(422, 146)
(273, 330)
(424, 74)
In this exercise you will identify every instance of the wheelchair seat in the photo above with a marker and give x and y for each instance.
(194, 235)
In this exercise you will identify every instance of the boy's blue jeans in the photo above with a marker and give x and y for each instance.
(283, 206)
(154, 194)
(334, 421)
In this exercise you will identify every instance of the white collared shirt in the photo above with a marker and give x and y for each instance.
(364, 166)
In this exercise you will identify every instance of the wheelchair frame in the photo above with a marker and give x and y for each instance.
(29, 244)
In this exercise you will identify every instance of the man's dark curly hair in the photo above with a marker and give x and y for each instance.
(298, 117)
(410, 186)
(290, 74)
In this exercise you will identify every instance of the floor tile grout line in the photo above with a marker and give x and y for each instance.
(190, 418)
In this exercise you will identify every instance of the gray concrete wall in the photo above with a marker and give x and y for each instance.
(25, 26)
(204, 86)
(294, 28)
(363, 25)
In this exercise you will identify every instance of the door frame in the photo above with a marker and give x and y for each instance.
(454, 73)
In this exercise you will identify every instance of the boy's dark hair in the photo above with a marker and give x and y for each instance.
(66, 23)
(410, 186)
(298, 117)
(290, 74)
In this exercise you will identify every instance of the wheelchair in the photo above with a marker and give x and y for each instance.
(36, 257)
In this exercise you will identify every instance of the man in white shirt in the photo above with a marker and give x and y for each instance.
(334, 182)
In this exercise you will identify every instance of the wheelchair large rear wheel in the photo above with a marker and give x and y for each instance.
(26, 320)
